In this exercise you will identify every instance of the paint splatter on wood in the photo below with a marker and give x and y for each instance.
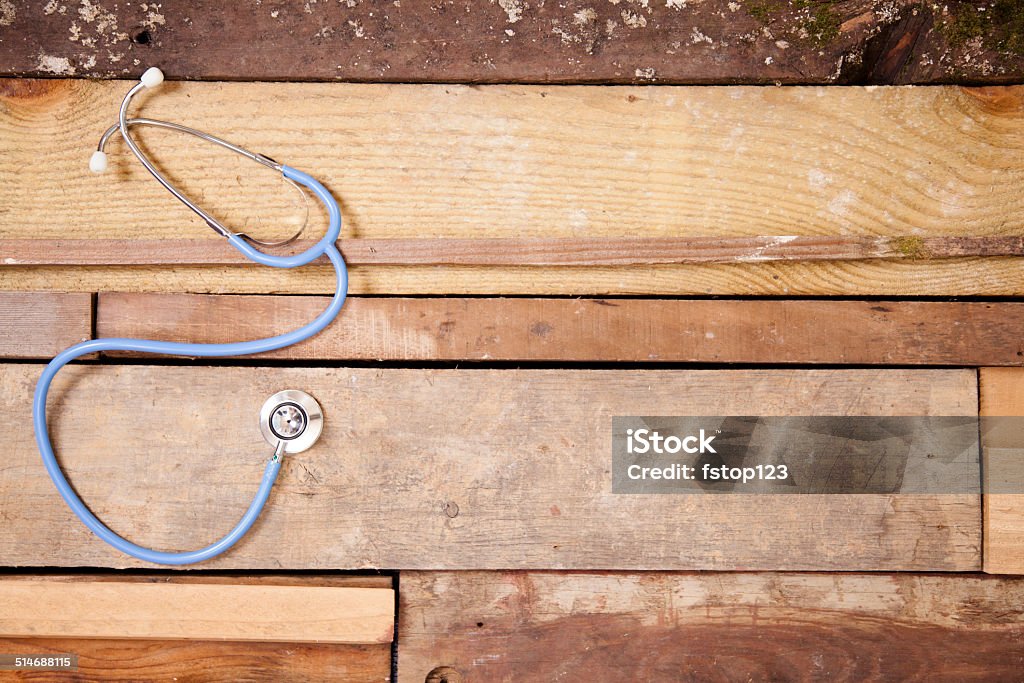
(676, 41)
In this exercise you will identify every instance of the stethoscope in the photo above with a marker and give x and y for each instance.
(290, 420)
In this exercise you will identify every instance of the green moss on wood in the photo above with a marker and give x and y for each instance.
(817, 18)
(822, 24)
(1000, 26)
(765, 11)
(1008, 17)
(910, 247)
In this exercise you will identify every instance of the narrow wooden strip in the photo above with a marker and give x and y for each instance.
(608, 251)
(1002, 394)
(514, 40)
(41, 324)
(168, 661)
(948, 277)
(195, 611)
(479, 626)
(835, 332)
(456, 469)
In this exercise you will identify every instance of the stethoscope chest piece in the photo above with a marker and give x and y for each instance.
(291, 421)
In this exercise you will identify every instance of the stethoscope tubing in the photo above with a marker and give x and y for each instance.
(325, 247)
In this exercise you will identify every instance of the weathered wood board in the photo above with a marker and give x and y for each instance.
(511, 251)
(530, 162)
(1002, 394)
(228, 661)
(715, 41)
(196, 611)
(950, 277)
(456, 469)
(174, 661)
(594, 330)
(465, 627)
(41, 324)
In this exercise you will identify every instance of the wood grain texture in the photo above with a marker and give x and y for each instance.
(511, 626)
(196, 611)
(530, 252)
(42, 324)
(37, 325)
(959, 277)
(633, 330)
(534, 162)
(1002, 394)
(177, 661)
(228, 661)
(854, 41)
(456, 469)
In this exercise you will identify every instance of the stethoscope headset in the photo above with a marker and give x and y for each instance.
(290, 420)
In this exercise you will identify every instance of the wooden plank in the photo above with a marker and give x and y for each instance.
(505, 162)
(196, 611)
(170, 660)
(457, 469)
(513, 40)
(959, 277)
(1002, 394)
(42, 324)
(475, 626)
(536, 251)
(227, 662)
(631, 330)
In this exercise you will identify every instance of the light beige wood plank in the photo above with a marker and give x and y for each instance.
(994, 276)
(1002, 394)
(474, 627)
(543, 329)
(531, 161)
(195, 611)
(42, 324)
(456, 469)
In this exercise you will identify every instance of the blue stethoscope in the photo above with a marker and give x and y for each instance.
(289, 410)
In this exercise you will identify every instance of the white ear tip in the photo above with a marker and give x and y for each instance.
(153, 77)
(98, 162)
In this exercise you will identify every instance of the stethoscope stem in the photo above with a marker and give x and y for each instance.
(325, 247)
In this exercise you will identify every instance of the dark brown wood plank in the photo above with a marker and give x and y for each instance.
(473, 626)
(41, 324)
(604, 251)
(627, 330)
(183, 661)
(717, 41)
(455, 469)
